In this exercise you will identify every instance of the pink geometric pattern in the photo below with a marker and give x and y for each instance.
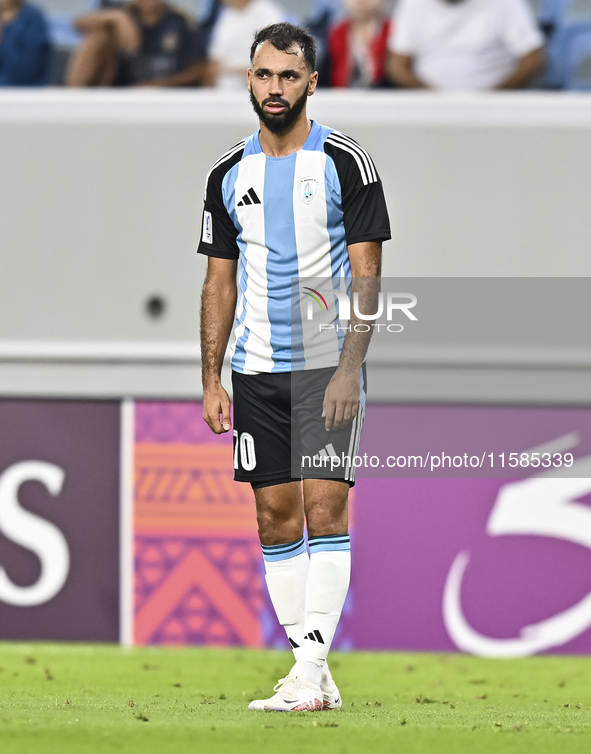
(198, 573)
(211, 590)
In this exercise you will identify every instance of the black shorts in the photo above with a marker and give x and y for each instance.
(279, 433)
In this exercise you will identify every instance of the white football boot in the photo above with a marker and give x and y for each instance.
(296, 693)
(331, 698)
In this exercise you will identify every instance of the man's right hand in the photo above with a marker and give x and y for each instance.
(216, 402)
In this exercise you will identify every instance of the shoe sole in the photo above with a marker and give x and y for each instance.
(315, 706)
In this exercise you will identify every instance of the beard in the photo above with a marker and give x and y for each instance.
(278, 124)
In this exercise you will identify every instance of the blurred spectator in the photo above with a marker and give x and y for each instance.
(146, 43)
(24, 45)
(357, 46)
(232, 37)
(464, 44)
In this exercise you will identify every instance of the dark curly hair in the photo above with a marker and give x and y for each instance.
(284, 37)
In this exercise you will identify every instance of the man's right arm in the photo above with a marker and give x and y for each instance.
(218, 304)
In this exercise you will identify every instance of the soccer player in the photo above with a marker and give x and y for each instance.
(294, 200)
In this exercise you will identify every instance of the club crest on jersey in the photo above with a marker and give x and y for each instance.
(308, 189)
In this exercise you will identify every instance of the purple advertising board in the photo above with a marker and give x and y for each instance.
(59, 520)
(453, 559)
(493, 566)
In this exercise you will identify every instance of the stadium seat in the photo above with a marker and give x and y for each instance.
(63, 40)
(541, 7)
(573, 11)
(546, 12)
(561, 49)
(560, 19)
(62, 32)
(577, 64)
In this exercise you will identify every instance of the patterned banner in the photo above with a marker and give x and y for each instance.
(198, 575)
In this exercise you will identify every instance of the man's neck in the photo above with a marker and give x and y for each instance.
(364, 31)
(153, 16)
(280, 145)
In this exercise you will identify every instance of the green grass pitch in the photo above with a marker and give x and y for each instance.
(82, 698)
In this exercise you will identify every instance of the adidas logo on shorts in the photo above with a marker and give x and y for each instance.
(327, 451)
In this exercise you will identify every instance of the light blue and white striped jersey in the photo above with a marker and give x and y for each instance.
(287, 218)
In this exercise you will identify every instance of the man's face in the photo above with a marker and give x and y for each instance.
(279, 84)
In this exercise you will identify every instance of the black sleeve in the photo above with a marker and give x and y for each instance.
(364, 205)
(218, 232)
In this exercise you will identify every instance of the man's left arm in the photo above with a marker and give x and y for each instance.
(366, 225)
(524, 40)
(341, 399)
(527, 67)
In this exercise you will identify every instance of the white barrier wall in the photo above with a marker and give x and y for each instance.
(100, 198)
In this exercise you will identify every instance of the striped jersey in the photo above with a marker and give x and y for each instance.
(286, 219)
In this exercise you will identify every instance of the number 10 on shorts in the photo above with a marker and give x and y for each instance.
(244, 445)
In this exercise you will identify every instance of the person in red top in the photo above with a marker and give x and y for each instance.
(357, 46)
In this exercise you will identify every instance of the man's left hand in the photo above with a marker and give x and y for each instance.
(341, 399)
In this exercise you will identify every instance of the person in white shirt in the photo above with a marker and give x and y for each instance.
(230, 42)
(464, 45)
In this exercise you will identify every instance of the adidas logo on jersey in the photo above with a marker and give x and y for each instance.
(249, 198)
(315, 636)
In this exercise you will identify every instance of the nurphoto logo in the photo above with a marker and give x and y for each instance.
(387, 303)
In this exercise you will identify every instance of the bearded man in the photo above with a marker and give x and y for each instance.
(296, 200)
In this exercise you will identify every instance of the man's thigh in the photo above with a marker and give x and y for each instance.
(323, 454)
(262, 428)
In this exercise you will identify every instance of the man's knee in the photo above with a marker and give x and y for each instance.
(326, 508)
(323, 520)
(280, 515)
(276, 530)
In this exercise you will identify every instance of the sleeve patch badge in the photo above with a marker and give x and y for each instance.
(207, 228)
